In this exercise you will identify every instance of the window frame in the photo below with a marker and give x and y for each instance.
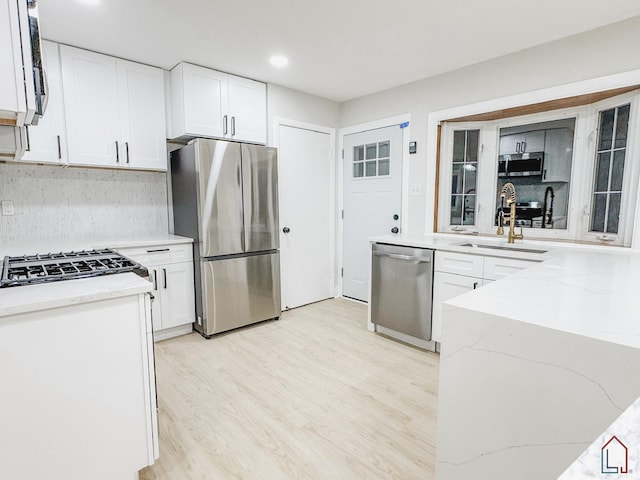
(580, 195)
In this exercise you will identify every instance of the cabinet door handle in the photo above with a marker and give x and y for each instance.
(126, 147)
(524, 147)
(224, 124)
(59, 148)
(164, 276)
(158, 250)
(117, 152)
(518, 147)
(475, 285)
(233, 126)
(155, 280)
(544, 174)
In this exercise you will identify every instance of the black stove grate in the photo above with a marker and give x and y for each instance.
(41, 268)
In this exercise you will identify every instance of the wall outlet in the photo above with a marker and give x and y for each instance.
(7, 208)
(415, 189)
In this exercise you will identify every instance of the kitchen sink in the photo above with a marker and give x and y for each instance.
(502, 247)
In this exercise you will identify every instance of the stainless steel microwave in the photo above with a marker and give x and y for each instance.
(521, 165)
(39, 79)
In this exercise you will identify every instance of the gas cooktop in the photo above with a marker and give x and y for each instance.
(51, 267)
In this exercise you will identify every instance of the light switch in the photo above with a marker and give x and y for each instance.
(415, 189)
(7, 208)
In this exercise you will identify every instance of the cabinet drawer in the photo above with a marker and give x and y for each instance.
(497, 268)
(459, 263)
(159, 254)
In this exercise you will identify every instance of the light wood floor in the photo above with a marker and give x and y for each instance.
(311, 396)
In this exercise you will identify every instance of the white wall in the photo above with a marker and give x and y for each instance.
(600, 52)
(56, 203)
(291, 104)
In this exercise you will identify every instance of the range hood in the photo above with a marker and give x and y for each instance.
(521, 164)
(13, 142)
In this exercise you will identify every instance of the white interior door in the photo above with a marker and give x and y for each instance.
(304, 165)
(372, 200)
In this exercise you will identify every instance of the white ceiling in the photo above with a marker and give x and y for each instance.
(338, 49)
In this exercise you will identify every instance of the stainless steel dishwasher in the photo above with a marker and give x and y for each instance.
(402, 289)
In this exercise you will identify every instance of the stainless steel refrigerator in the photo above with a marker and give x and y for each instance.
(225, 197)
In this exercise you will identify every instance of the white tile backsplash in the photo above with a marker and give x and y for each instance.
(60, 203)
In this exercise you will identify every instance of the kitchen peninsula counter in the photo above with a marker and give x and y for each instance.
(534, 367)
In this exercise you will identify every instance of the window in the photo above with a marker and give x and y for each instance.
(463, 177)
(371, 160)
(575, 170)
(610, 155)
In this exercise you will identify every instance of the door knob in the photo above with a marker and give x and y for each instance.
(286, 230)
(396, 216)
(395, 230)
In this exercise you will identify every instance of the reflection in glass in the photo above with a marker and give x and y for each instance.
(458, 145)
(464, 176)
(469, 211)
(598, 214)
(622, 126)
(606, 129)
(602, 172)
(541, 171)
(371, 169)
(457, 178)
(613, 215)
(617, 170)
(371, 151)
(473, 137)
(383, 167)
(608, 183)
(383, 149)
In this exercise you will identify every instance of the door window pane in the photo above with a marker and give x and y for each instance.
(606, 129)
(371, 151)
(617, 170)
(613, 215)
(358, 153)
(358, 169)
(466, 146)
(383, 149)
(383, 167)
(371, 169)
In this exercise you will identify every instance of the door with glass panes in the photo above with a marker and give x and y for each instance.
(372, 173)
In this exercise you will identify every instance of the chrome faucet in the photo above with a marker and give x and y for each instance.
(508, 192)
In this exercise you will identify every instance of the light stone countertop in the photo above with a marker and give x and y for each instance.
(45, 296)
(22, 299)
(581, 289)
(28, 247)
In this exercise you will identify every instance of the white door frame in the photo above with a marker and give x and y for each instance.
(599, 84)
(284, 122)
(363, 127)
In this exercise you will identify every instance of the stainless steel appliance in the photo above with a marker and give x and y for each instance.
(521, 165)
(51, 267)
(38, 74)
(402, 289)
(225, 196)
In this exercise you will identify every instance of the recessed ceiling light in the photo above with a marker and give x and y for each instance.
(279, 61)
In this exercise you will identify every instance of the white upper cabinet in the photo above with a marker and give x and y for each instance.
(114, 111)
(247, 110)
(47, 141)
(17, 95)
(90, 84)
(207, 103)
(142, 115)
(199, 101)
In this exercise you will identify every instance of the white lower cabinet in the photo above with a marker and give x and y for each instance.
(445, 287)
(458, 273)
(171, 272)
